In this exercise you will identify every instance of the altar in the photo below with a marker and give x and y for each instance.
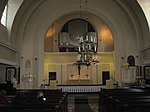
(79, 81)
(66, 70)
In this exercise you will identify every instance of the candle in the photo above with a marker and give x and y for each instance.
(85, 57)
(87, 37)
(91, 39)
(79, 49)
(89, 47)
(94, 39)
(95, 47)
(81, 39)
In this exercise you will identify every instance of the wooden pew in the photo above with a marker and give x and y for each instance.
(53, 98)
(28, 108)
(125, 100)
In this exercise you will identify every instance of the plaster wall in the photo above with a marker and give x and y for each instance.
(120, 25)
(3, 34)
(31, 24)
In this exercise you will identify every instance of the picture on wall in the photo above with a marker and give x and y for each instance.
(10, 71)
(52, 75)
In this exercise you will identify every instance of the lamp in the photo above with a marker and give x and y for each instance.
(87, 48)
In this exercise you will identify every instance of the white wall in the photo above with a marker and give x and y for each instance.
(31, 25)
(64, 65)
(145, 4)
(4, 34)
(13, 6)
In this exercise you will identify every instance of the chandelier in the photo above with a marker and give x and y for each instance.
(87, 49)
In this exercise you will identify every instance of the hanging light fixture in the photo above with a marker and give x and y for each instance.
(87, 49)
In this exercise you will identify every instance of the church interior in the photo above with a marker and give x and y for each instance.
(84, 55)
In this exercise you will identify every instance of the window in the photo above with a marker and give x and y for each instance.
(3, 19)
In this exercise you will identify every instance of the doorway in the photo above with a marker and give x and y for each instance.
(105, 76)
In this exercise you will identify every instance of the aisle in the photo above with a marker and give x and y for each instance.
(82, 105)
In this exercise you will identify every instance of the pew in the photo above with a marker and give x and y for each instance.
(28, 108)
(125, 100)
(56, 101)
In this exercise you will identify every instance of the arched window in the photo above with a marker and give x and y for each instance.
(4, 16)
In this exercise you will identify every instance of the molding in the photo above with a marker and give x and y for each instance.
(146, 48)
(8, 47)
(8, 62)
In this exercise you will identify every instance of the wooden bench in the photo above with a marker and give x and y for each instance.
(125, 100)
(53, 98)
(29, 108)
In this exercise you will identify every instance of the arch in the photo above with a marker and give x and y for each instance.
(89, 25)
(120, 19)
(68, 39)
(100, 27)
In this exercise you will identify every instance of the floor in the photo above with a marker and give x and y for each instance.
(83, 103)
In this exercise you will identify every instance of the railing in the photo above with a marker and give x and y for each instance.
(81, 88)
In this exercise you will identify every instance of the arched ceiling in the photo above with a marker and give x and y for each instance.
(123, 20)
(145, 4)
